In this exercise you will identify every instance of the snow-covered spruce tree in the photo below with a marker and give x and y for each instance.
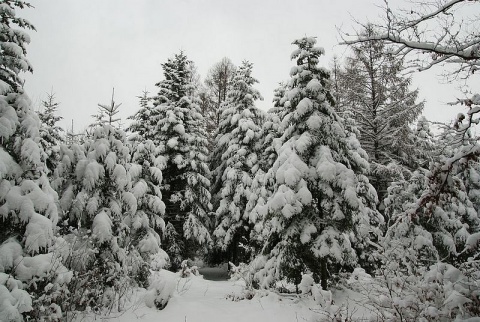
(318, 217)
(429, 255)
(268, 145)
(28, 210)
(373, 88)
(437, 204)
(143, 121)
(146, 223)
(471, 177)
(180, 136)
(110, 214)
(238, 133)
(423, 144)
(430, 251)
(271, 127)
(50, 132)
(207, 108)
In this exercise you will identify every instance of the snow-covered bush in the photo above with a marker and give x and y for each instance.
(433, 219)
(32, 287)
(159, 261)
(112, 212)
(187, 271)
(308, 287)
(174, 245)
(441, 293)
(325, 309)
(14, 300)
(161, 287)
(245, 274)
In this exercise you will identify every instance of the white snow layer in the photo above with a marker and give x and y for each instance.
(102, 227)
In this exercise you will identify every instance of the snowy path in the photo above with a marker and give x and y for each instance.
(199, 300)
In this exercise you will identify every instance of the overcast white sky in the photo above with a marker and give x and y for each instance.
(84, 48)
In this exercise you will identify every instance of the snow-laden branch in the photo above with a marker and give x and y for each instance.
(441, 9)
(448, 33)
(466, 52)
(463, 123)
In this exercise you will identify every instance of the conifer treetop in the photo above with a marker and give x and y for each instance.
(307, 53)
(176, 83)
(110, 110)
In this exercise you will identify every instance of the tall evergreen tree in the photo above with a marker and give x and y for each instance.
(422, 145)
(269, 143)
(180, 135)
(28, 210)
(207, 107)
(319, 216)
(271, 127)
(374, 90)
(238, 133)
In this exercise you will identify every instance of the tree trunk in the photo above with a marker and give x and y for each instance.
(323, 273)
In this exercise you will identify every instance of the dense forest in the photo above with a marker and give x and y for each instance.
(343, 179)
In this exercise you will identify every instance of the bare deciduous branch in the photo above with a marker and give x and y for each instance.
(441, 32)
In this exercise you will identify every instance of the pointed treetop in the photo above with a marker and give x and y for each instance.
(176, 84)
(307, 53)
(110, 111)
(144, 99)
(242, 84)
(50, 105)
(307, 76)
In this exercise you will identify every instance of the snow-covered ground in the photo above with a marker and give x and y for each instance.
(196, 299)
